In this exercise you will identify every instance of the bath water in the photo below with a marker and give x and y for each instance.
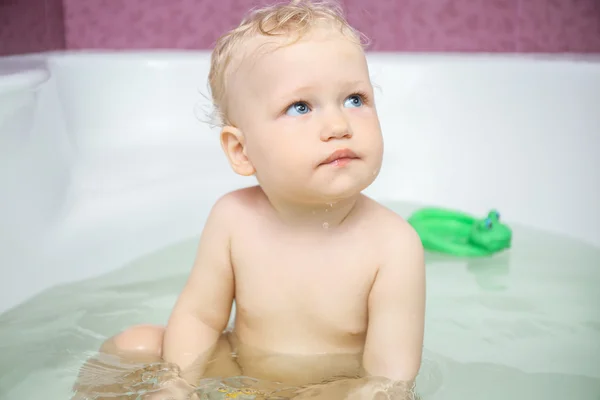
(521, 325)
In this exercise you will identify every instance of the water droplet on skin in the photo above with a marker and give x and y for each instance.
(325, 225)
(326, 210)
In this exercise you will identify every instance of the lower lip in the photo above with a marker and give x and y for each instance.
(340, 162)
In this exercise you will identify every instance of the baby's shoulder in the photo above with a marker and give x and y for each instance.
(237, 204)
(390, 229)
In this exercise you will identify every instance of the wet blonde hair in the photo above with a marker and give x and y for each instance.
(290, 20)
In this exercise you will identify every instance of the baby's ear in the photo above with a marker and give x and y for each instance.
(234, 146)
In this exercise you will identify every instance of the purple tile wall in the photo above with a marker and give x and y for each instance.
(559, 25)
(392, 25)
(28, 26)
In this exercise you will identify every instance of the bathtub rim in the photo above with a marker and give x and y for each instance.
(25, 79)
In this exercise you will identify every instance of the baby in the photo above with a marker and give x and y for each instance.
(327, 283)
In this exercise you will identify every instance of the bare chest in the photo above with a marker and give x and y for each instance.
(293, 282)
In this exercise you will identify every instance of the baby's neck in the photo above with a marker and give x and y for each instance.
(322, 216)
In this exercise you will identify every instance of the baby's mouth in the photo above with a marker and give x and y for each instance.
(340, 157)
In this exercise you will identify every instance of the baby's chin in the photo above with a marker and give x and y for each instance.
(321, 188)
(343, 188)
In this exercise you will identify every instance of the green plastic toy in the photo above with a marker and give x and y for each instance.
(459, 234)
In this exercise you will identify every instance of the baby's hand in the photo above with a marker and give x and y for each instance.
(174, 389)
(356, 389)
(380, 389)
(369, 390)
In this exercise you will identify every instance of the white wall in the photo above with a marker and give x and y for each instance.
(520, 134)
(119, 163)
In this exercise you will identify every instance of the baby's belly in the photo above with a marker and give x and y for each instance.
(296, 353)
(294, 368)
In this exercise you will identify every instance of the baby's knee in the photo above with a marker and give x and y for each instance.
(146, 339)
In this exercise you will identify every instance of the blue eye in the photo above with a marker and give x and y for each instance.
(497, 215)
(353, 101)
(488, 223)
(299, 108)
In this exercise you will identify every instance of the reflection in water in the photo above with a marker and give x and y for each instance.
(490, 273)
(247, 388)
(243, 388)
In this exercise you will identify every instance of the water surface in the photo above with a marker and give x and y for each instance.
(521, 325)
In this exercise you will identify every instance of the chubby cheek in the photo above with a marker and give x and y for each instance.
(378, 149)
(278, 160)
(371, 139)
(290, 159)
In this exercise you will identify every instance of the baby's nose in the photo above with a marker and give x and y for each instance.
(336, 127)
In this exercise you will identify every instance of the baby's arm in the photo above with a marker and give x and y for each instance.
(394, 342)
(202, 310)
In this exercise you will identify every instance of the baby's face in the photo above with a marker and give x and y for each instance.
(299, 104)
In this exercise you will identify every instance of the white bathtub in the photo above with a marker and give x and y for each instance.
(118, 165)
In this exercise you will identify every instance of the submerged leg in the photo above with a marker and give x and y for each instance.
(142, 343)
(131, 362)
(127, 364)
